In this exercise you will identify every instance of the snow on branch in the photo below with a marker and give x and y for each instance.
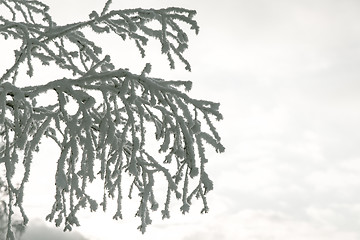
(106, 135)
(134, 24)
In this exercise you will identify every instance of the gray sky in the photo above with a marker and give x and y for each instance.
(287, 76)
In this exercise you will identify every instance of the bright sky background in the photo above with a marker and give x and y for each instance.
(286, 73)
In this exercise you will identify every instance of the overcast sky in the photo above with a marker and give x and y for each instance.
(287, 76)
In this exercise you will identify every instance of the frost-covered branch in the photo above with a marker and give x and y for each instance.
(48, 42)
(105, 136)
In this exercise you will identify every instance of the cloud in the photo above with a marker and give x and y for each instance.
(255, 224)
(332, 179)
(38, 230)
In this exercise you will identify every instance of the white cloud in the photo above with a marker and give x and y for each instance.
(270, 224)
(38, 230)
(333, 179)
